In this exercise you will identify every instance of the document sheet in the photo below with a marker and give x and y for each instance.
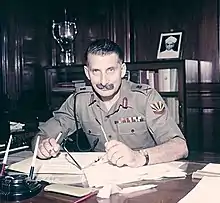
(211, 170)
(207, 190)
(62, 170)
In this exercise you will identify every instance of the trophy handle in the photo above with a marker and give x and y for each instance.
(59, 41)
(75, 29)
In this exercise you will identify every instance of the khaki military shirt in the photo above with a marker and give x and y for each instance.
(140, 118)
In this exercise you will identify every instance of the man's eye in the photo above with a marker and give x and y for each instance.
(95, 70)
(111, 69)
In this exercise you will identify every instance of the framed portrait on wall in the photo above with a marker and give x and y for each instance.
(170, 45)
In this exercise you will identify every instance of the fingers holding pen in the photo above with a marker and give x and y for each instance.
(55, 147)
(120, 154)
(48, 148)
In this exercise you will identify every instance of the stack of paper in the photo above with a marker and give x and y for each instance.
(98, 174)
(210, 170)
(110, 189)
(207, 190)
(58, 170)
(109, 174)
(14, 126)
(59, 165)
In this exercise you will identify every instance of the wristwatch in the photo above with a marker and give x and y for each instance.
(145, 154)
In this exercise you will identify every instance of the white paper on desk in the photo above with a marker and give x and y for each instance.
(61, 179)
(207, 190)
(51, 170)
(58, 165)
(108, 190)
(211, 168)
(109, 174)
(137, 188)
(111, 189)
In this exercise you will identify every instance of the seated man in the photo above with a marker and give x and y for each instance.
(138, 126)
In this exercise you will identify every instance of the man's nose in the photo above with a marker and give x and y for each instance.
(103, 79)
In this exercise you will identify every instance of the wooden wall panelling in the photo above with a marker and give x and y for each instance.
(208, 37)
(121, 28)
(11, 65)
(21, 61)
(209, 96)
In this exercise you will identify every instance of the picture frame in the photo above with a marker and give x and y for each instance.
(170, 45)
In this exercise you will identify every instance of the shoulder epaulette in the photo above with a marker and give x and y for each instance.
(143, 88)
(85, 89)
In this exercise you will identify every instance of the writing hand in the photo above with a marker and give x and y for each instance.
(119, 154)
(48, 148)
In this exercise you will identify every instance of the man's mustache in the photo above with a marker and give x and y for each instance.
(106, 86)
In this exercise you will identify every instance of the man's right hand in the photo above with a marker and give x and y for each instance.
(48, 148)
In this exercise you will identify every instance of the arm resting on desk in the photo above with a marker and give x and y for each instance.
(172, 150)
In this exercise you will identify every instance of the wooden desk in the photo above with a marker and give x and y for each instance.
(168, 191)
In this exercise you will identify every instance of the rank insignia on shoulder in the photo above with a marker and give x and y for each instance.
(157, 107)
(139, 86)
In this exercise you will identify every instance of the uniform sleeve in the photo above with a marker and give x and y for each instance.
(62, 120)
(159, 121)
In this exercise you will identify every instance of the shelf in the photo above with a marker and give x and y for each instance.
(199, 88)
(77, 68)
(169, 94)
(155, 65)
(63, 89)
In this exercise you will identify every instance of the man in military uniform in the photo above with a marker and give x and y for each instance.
(131, 122)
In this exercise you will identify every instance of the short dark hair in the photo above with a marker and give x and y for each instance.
(104, 47)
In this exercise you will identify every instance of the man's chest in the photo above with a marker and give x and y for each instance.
(126, 125)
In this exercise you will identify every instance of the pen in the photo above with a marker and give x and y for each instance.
(34, 158)
(103, 131)
(86, 197)
(6, 156)
(58, 137)
(77, 164)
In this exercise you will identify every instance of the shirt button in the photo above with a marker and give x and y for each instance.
(89, 131)
(110, 136)
(132, 130)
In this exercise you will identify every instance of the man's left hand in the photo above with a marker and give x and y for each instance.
(119, 154)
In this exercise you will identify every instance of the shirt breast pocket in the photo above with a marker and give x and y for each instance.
(93, 132)
(135, 134)
(91, 129)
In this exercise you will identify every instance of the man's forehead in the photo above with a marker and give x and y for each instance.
(96, 59)
(103, 55)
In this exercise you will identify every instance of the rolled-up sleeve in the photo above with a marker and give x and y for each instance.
(62, 120)
(160, 123)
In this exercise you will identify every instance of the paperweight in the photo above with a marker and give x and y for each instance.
(18, 187)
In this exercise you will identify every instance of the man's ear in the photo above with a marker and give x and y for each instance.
(86, 70)
(123, 70)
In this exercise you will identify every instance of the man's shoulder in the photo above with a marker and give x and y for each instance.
(82, 92)
(85, 90)
(141, 88)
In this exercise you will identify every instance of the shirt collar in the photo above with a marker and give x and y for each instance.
(125, 94)
(93, 98)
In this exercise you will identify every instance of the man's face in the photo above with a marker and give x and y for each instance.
(105, 73)
(169, 46)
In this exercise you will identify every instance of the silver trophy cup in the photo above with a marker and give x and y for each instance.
(65, 33)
